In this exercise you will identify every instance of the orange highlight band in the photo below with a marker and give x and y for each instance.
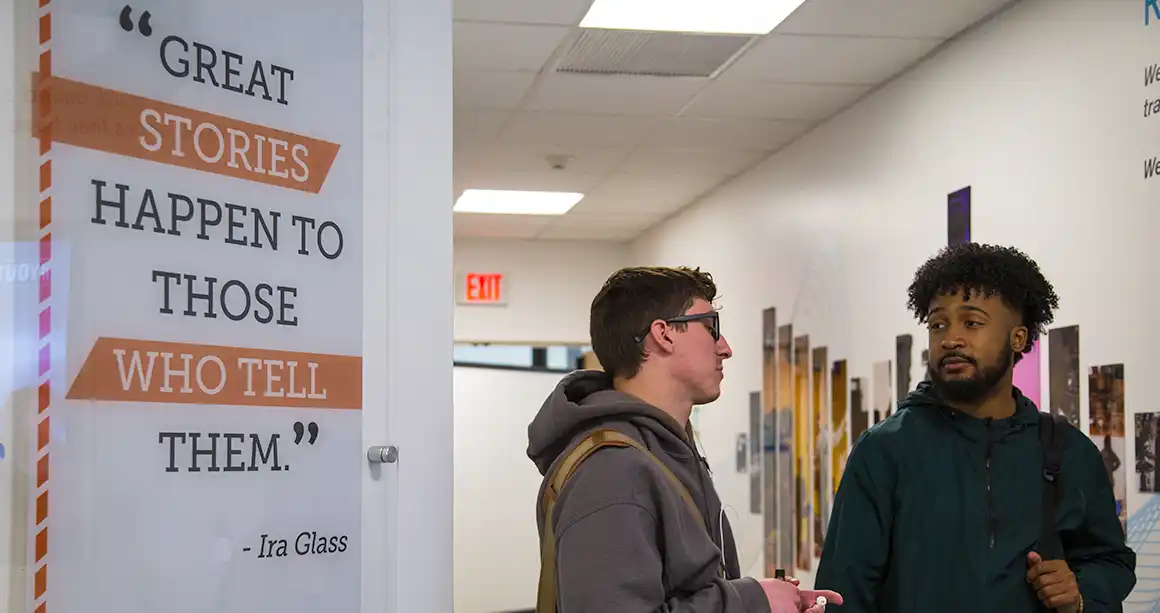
(114, 122)
(126, 370)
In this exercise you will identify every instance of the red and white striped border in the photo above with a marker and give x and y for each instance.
(43, 99)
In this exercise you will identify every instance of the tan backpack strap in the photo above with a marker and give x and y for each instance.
(546, 599)
(557, 479)
(681, 489)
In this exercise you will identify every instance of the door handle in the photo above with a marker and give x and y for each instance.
(383, 454)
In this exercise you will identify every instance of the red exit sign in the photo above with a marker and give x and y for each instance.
(483, 288)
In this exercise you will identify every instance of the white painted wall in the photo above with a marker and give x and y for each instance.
(497, 547)
(550, 287)
(1041, 112)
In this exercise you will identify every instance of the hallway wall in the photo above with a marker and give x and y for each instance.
(550, 285)
(497, 547)
(1041, 112)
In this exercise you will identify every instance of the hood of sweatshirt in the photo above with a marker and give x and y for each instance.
(584, 399)
(925, 397)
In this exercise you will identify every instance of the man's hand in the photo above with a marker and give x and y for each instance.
(785, 596)
(1054, 583)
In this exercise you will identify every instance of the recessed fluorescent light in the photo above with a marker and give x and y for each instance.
(698, 16)
(508, 202)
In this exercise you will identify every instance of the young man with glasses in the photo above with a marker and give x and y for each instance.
(628, 516)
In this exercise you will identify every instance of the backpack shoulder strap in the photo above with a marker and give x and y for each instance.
(558, 478)
(1052, 429)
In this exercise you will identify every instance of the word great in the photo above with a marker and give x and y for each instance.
(305, 543)
(176, 55)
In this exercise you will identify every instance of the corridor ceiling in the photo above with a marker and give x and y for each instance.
(645, 124)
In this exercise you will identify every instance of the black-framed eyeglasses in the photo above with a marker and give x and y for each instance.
(711, 319)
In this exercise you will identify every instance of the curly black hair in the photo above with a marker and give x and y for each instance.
(989, 270)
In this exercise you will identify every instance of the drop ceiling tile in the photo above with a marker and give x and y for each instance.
(903, 18)
(556, 12)
(692, 132)
(614, 94)
(685, 184)
(576, 130)
(728, 162)
(579, 217)
(535, 159)
(466, 158)
(759, 100)
(491, 89)
(472, 127)
(1075, 11)
(597, 228)
(494, 46)
(500, 226)
(611, 234)
(529, 181)
(649, 193)
(652, 203)
(829, 59)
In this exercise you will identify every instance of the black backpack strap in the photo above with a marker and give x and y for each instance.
(1052, 429)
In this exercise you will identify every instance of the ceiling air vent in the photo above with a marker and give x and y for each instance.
(666, 54)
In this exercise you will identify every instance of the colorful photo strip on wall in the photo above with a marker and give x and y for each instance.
(1026, 375)
(1063, 372)
(786, 502)
(756, 449)
(859, 418)
(742, 452)
(802, 459)
(903, 352)
(1146, 465)
(959, 216)
(1107, 416)
(769, 398)
(840, 421)
(821, 436)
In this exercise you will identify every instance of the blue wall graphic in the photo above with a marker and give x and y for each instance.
(1144, 538)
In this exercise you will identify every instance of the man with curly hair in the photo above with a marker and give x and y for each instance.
(940, 505)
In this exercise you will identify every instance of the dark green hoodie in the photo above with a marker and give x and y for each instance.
(625, 540)
(937, 511)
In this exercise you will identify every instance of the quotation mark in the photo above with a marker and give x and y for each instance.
(142, 25)
(300, 431)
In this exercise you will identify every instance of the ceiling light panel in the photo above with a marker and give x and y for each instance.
(510, 202)
(716, 16)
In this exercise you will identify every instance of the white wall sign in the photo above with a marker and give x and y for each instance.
(199, 441)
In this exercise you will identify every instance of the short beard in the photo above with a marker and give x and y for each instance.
(975, 389)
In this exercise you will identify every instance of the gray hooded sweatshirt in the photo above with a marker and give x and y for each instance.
(625, 539)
